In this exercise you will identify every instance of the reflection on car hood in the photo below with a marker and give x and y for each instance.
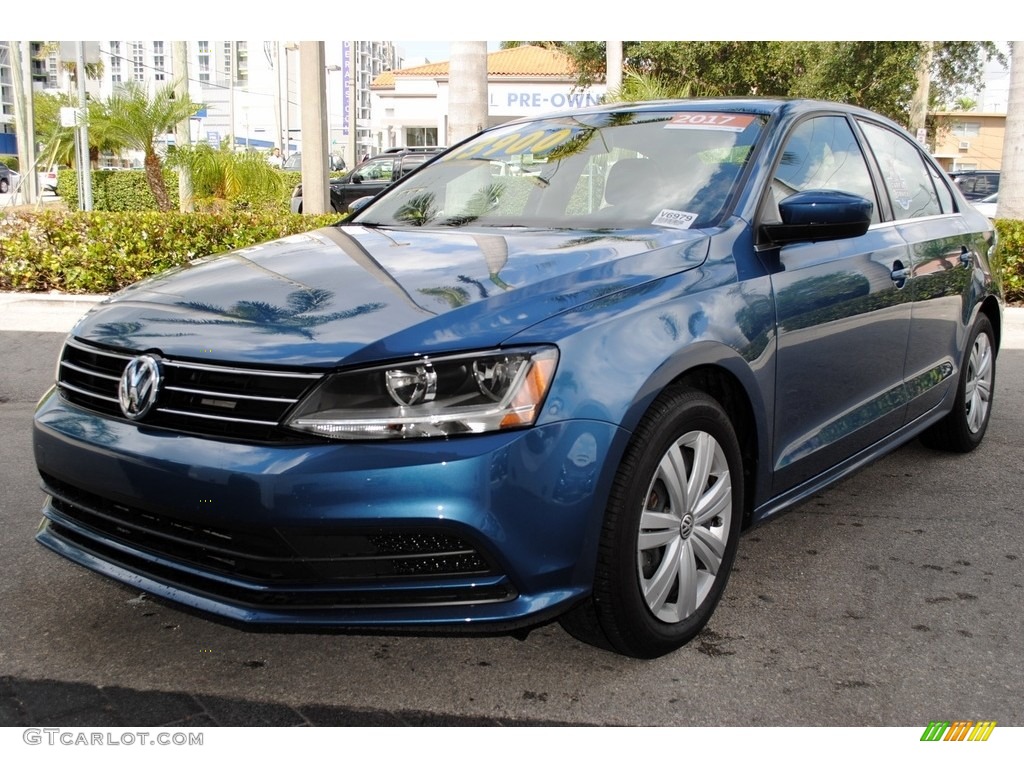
(357, 294)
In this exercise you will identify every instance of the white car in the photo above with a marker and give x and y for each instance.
(987, 205)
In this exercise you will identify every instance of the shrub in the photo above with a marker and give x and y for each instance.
(121, 190)
(11, 161)
(1010, 258)
(100, 252)
(127, 190)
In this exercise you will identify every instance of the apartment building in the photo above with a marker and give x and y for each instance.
(250, 88)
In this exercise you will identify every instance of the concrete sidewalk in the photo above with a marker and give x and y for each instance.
(48, 312)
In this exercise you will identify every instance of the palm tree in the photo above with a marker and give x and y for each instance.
(223, 175)
(138, 121)
(641, 86)
(1011, 186)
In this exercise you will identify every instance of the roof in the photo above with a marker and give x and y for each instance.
(527, 61)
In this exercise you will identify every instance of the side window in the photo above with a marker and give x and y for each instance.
(945, 196)
(906, 177)
(378, 169)
(822, 153)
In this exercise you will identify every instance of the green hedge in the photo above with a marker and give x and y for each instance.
(127, 190)
(100, 252)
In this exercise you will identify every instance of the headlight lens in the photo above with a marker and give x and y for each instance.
(431, 397)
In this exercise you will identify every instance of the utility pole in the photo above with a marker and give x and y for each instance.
(467, 90)
(231, 97)
(312, 98)
(85, 170)
(182, 131)
(24, 120)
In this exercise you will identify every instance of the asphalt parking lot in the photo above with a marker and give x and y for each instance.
(892, 599)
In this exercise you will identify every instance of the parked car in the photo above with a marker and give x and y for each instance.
(368, 178)
(430, 149)
(6, 181)
(294, 162)
(987, 205)
(48, 180)
(494, 399)
(976, 184)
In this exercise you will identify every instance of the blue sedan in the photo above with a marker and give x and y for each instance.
(552, 374)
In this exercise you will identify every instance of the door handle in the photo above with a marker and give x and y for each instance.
(899, 273)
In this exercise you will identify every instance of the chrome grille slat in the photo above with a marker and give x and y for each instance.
(194, 415)
(89, 372)
(87, 393)
(213, 393)
(199, 398)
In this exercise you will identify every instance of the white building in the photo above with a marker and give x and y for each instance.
(410, 106)
(250, 87)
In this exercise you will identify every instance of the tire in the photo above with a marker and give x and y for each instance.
(666, 550)
(4, 186)
(963, 429)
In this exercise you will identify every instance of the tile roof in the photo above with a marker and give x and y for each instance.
(524, 61)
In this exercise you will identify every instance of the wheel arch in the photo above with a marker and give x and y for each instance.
(990, 308)
(724, 375)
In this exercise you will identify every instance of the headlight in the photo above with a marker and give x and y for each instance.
(431, 397)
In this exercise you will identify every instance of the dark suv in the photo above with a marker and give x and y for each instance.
(368, 178)
(976, 184)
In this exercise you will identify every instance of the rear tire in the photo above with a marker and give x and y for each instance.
(963, 429)
(671, 530)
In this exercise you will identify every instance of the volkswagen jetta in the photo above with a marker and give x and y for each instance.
(552, 374)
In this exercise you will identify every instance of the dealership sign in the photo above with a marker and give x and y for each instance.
(525, 99)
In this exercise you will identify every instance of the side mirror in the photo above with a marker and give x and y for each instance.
(356, 178)
(819, 214)
(358, 204)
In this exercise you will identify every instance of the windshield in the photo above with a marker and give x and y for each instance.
(611, 170)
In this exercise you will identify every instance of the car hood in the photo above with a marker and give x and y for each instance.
(355, 294)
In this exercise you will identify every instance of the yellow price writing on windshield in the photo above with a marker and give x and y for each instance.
(535, 142)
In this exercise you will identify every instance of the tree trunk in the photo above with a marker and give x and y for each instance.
(467, 90)
(155, 179)
(1011, 182)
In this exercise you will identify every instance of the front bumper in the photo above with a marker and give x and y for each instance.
(485, 531)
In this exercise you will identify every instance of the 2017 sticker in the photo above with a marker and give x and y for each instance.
(674, 219)
(711, 121)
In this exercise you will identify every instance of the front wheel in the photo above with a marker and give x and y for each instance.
(671, 530)
(964, 427)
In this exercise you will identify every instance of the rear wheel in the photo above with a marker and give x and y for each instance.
(671, 530)
(963, 429)
(4, 186)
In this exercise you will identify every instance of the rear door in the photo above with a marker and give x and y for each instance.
(943, 254)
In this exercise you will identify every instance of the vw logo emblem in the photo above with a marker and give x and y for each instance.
(139, 385)
(686, 526)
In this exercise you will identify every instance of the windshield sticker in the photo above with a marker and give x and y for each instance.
(711, 121)
(898, 187)
(674, 219)
(534, 143)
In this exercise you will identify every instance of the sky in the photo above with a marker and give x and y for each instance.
(431, 51)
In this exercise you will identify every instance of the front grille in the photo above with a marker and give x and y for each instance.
(293, 566)
(197, 398)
